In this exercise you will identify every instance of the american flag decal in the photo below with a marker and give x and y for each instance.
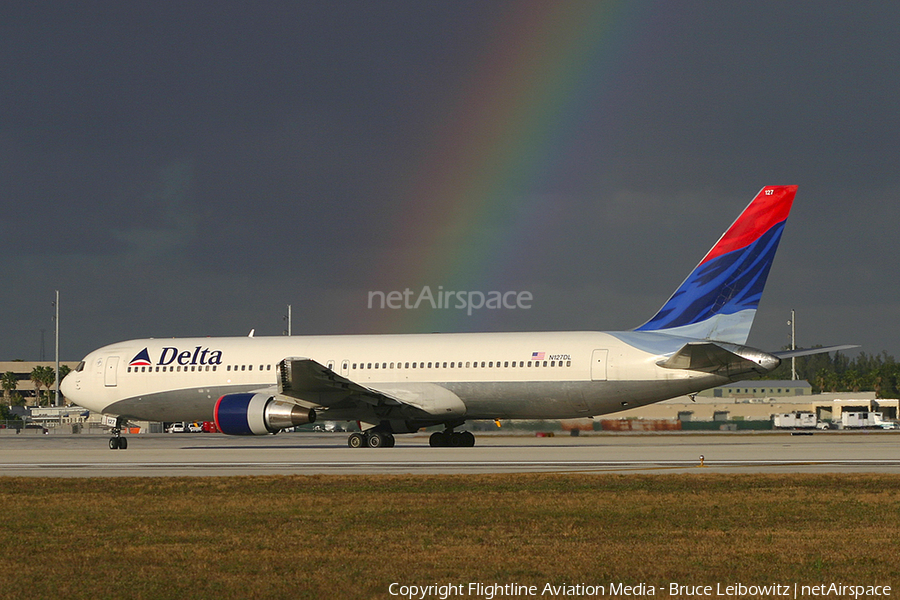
(537, 356)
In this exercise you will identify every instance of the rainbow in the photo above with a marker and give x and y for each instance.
(476, 205)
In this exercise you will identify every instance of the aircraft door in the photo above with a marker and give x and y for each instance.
(109, 373)
(598, 365)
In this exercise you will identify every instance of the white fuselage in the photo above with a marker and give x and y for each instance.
(547, 375)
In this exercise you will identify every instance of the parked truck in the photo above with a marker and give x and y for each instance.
(795, 420)
(852, 420)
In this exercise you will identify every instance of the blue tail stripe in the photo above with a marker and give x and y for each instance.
(727, 284)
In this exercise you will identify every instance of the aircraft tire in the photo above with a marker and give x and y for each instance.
(389, 440)
(468, 439)
(123, 443)
(356, 440)
(376, 440)
(113, 443)
(438, 439)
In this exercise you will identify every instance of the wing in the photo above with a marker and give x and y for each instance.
(315, 385)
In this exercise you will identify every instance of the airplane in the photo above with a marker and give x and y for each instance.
(400, 383)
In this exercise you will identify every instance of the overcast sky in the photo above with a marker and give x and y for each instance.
(190, 169)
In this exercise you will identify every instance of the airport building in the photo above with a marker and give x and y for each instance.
(757, 401)
(22, 371)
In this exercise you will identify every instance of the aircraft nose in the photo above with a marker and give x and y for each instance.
(68, 386)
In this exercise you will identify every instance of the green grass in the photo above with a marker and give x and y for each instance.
(350, 537)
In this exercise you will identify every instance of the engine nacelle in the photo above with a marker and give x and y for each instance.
(258, 414)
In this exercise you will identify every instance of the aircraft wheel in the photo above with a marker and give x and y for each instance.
(389, 440)
(438, 439)
(356, 440)
(113, 443)
(468, 439)
(376, 440)
(123, 443)
(455, 440)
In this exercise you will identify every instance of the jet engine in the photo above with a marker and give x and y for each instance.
(258, 414)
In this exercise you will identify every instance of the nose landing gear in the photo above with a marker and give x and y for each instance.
(117, 442)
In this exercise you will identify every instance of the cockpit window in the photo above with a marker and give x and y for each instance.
(80, 367)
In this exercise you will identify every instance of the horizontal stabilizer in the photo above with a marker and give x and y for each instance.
(811, 351)
(721, 358)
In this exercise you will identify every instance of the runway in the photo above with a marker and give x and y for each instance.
(164, 455)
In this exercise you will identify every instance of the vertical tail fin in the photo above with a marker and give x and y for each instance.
(718, 300)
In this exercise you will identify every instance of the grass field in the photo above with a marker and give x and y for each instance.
(352, 536)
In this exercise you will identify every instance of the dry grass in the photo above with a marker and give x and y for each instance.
(345, 536)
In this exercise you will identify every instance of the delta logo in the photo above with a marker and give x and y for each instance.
(171, 355)
(141, 360)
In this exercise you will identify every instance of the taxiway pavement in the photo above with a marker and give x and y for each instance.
(198, 454)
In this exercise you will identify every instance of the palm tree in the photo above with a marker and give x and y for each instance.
(10, 383)
(37, 378)
(49, 380)
(41, 377)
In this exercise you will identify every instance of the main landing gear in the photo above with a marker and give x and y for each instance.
(117, 442)
(383, 439)
(452, 439)
(371, 439)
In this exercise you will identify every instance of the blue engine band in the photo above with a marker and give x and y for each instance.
(231, 414)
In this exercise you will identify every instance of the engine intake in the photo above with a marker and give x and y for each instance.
(258, 414)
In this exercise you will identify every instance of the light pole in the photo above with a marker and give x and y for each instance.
(288, 319)
(56, 319)
(793, 325)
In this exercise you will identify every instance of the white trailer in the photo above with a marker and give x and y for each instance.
(865, 419)
(805, 420)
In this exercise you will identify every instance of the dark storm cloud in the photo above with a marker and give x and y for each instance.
(189, 170)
